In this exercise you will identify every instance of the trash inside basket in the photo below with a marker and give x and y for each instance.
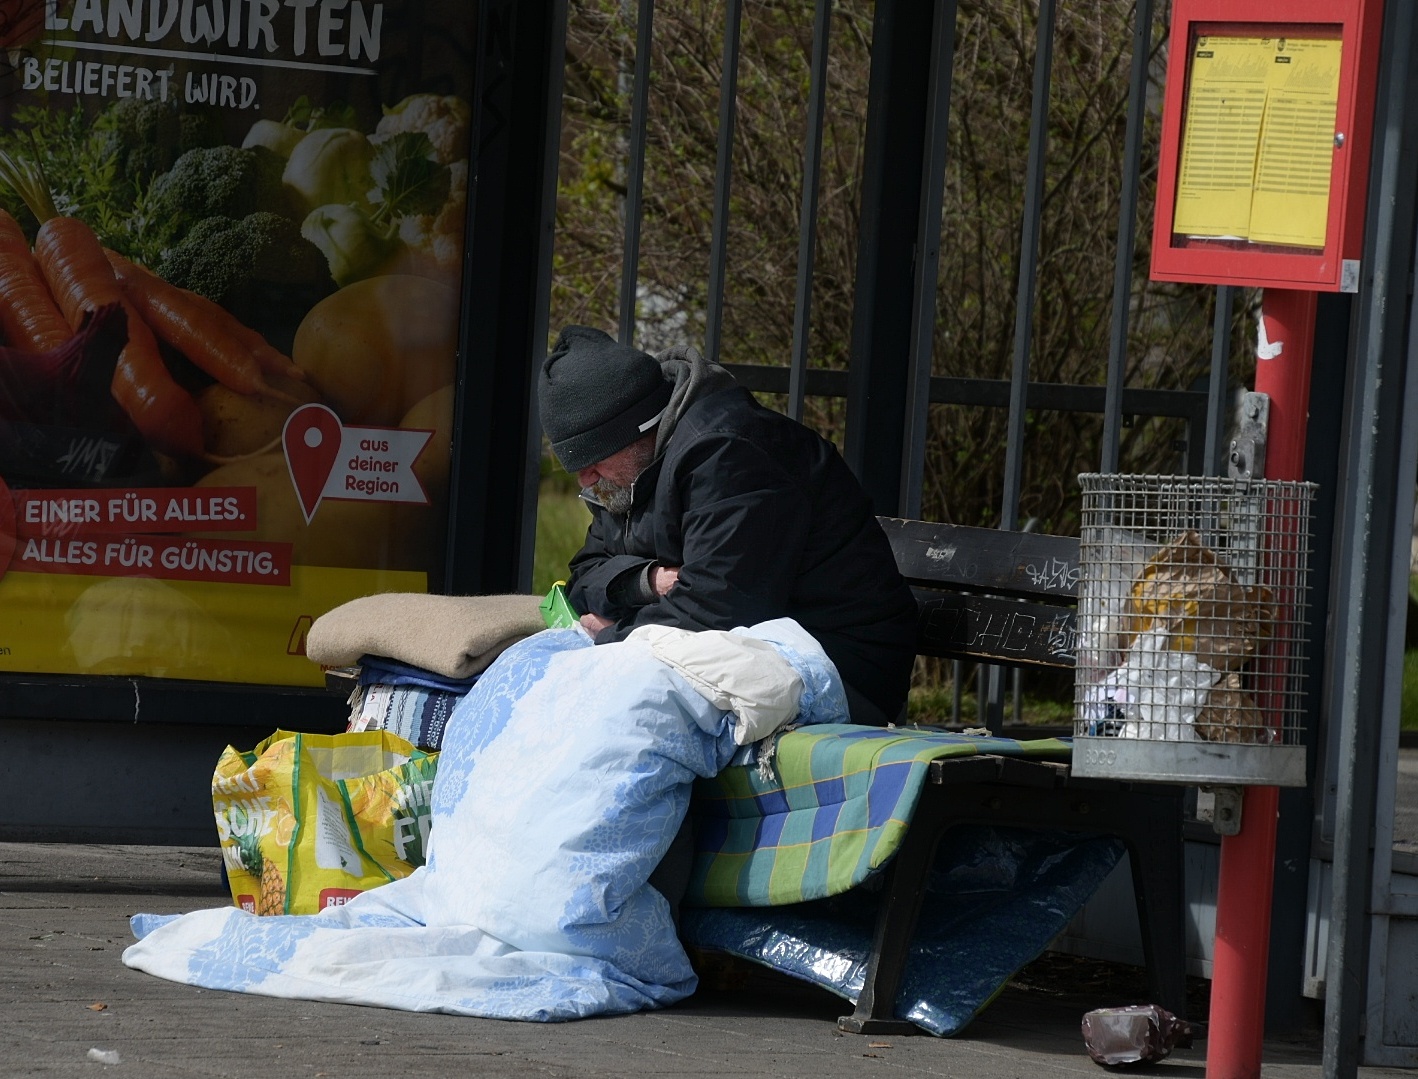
(1191, 624)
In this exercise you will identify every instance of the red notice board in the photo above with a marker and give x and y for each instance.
(1267, 122)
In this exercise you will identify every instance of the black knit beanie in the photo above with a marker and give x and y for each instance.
(597, 396)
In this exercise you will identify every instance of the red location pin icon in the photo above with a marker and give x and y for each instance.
(311, 437)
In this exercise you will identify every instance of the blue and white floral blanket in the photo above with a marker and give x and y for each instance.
(564, 775)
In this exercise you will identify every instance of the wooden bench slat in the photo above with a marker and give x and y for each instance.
(984, 559)
(990, 628)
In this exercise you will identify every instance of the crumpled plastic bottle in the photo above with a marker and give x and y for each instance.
(1135, 1034)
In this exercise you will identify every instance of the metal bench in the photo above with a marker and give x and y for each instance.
(1007, 599)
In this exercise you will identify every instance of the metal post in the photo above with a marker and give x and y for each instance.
(923, 311)
(1028, 264)
(888, 228)
(723, 170)
(1217, 401)
(1138, 86)
(807, 214)
(1246, 879)
(1381, 360)
(510, 228)
(633, 205)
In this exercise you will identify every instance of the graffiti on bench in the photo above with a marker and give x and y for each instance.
(987, 627)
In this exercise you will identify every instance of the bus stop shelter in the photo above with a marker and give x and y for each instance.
(1346, 882)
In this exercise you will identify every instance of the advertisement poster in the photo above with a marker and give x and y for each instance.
(231, 240)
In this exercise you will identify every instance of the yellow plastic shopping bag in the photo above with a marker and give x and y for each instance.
(307, 821)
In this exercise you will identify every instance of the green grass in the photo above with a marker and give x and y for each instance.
(561, 529)
(930, 702)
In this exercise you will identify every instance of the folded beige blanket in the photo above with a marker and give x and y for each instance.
(455, 636)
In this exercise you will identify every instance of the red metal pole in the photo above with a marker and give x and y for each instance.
(1236, 1029)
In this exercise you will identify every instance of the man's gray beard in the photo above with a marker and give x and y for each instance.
(612, 496)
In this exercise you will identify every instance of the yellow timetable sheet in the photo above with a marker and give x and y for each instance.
(1258, 143)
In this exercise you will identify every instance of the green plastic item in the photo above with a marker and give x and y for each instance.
(556, 609)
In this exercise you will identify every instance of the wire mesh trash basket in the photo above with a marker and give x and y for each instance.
(1191, 620)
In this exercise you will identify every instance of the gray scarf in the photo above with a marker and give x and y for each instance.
(693, 377)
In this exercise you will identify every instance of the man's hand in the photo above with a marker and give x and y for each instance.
(594, 623)
(663, 578)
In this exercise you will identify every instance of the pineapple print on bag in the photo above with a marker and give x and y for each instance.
(248, 818)
(271, 896)
(272, 899)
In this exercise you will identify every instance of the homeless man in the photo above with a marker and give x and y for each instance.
(709, 511)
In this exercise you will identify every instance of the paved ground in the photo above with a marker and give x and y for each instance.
(65, 992)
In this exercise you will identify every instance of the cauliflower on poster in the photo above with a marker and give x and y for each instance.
(439, 236)
(445, 119)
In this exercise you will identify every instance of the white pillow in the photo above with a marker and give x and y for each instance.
(742, 675)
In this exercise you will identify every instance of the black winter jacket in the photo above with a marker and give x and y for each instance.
(765, 520)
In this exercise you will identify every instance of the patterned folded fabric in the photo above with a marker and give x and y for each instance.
(835, 811)
(391, 672)
(415, 713)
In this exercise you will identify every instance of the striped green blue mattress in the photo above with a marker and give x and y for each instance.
(834, 813)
